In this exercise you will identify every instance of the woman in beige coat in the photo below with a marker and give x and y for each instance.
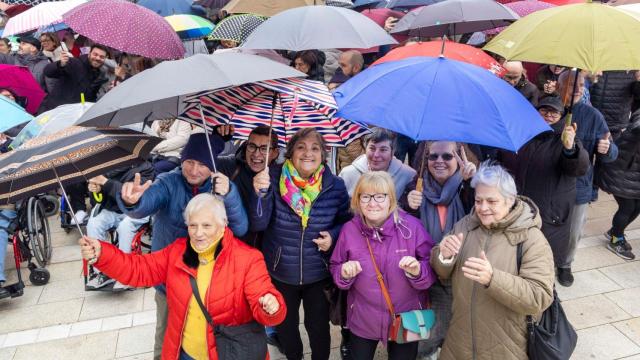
(490, 299)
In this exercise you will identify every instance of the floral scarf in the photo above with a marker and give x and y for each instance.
(298, 192)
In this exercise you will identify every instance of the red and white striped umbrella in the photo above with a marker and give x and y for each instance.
(296, 104)
(43, 14)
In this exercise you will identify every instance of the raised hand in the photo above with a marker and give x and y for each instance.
(323, 241)
(467, 168)
(414, 198)
(261, 181)
(410, 265)
(132, 191)
(550, 87)
(64, 58)
(221, 182)
(269, 304)
(450, 245)
(569, 136)
(90, 249)
(604, 144)
(225, 130)
(350, 269)
(478, 269)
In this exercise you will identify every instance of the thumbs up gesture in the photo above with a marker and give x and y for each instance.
(132, 191)
(604, 144)
(90, 248)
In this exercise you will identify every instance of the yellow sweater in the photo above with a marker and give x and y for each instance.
(194, 336)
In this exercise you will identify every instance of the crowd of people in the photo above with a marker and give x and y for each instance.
(242, 238)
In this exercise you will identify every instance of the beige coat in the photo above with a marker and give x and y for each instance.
(174, 139)
(489, 322)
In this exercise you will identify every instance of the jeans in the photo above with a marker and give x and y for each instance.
(270, 330)
(578, 219)
(126, 227)
(365, 349)
(6, 216)
(162, 312)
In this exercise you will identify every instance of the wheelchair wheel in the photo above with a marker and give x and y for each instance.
(39, 276)
(39, 235)
(50, 205)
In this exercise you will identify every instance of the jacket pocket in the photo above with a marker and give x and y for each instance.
(277, 258)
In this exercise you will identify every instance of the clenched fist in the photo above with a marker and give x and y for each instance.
(350, 269)
(269, 304)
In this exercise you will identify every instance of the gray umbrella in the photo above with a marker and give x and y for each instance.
(455, 17)
(318, 27)
(158, 93)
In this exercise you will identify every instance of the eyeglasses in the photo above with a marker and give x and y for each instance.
(548, 111)
(365, 198)
(444, 156)
(251, 147)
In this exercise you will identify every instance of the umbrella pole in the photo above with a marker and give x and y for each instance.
(64, 193)
(569, 118)
(204, 126)
(419, 183)
(273, 111)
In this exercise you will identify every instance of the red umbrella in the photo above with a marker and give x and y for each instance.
(19, 80)
(564, 2)
(452, 50)
(126, 26)
(14, 10)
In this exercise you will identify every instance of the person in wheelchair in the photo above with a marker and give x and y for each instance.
(7, 214)
(106, 215)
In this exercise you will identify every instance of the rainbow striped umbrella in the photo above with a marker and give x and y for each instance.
(190, 27)
(296, 104)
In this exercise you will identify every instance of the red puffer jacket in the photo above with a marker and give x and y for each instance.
(239, 279)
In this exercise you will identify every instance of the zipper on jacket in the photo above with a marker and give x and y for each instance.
(304, 230)
(473, 303)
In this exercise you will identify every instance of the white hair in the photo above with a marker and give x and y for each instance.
(490, 174)
(206, 201)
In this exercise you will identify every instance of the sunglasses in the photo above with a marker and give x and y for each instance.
(444, 156)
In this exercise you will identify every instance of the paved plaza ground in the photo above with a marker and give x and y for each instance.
(62, 321)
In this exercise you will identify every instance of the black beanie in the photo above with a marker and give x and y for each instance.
(197, 148)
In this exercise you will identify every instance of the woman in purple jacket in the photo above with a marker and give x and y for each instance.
(401, 248)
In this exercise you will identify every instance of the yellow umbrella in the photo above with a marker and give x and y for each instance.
(589, 36)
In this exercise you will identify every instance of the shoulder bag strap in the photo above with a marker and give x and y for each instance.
(385, 292)
(196, 294)
(530, 322)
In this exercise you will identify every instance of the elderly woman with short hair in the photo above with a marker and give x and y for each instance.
(490, 297)
(230, 276)
(301, 210)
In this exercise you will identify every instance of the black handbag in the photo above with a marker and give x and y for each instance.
(552, 337)
(242, 342)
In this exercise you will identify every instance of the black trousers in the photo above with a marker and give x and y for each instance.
(628, 210)
(365, 349)
(316, 320)
(77, 194)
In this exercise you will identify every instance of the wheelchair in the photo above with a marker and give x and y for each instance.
(31, 239)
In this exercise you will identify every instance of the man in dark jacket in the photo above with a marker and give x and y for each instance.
(546, 169)
(516, 77)
(76, 76)
(29, 55)
(594, 136)
(612, 94)
(107, 215)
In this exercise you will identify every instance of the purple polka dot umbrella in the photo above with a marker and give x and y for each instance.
(127, 27)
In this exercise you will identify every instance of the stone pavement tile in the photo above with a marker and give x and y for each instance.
(2, 338)
(105, 304)
(592, 311)
(135, 340)
(595, 257)
(145, 356)
(627, 300)
(101, 346)
(603, 343)
(85, 327)
(60, 238)
(587, 283)
(149, 303)
(117, 322)
(29, 298)
(65, 271)
(630, 328)
(144, 318)
(65, 253)
(590, 241)
(626, 275)
(54, 332)
(38, 316)
(65, 290)
(21, 338)
(634, 357)
(7, 353)
(12, 275)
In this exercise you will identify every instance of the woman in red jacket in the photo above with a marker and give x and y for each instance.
(231, 278)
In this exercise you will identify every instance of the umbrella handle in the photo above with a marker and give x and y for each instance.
(419, 184)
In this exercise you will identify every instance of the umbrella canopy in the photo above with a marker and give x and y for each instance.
(297, 29)
(12, 114)
(295, 103)
(212, 4)
(50, 122)
(440, 99)
(564, 2)
(41, 15)
(127, 27)
(76, 153)
(368, 4)
(158, 93)
(452, 50)
(266, 7)
(237, 27)
(14, 10)
(21, 82)
(455, 17)
(522, 8)
(340, 3)
(169, 7)
(588, 36)
(409, 4)
(189, 27)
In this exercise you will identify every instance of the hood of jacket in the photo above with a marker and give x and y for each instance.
(362, 165)
(28, 59)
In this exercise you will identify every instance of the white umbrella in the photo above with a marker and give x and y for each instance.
(43, 14)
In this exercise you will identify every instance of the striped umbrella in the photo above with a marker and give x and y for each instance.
(237, 27)
(41, 15)
(190, 27)
(296, 104)
(26, 2)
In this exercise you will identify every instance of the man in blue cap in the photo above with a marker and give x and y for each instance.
(166, 198)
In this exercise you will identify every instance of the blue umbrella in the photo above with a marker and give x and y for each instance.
(11, 114)
(171, 7)
(440, 99)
